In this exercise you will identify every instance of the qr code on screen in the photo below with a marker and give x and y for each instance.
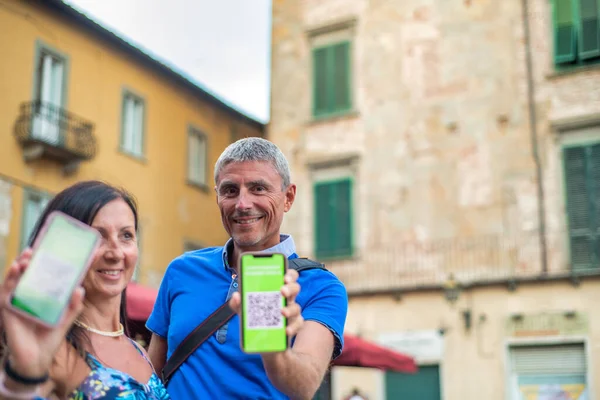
(54, 277)
(264, 310)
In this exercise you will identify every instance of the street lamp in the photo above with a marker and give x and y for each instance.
(451, 289)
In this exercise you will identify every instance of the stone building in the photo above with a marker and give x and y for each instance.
(447, 156)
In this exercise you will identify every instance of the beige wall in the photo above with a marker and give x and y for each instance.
(439, 146)
(474, 362)
(369, 381)
(440, 134)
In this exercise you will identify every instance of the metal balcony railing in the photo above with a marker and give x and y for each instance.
(44, 128)
(430, 264)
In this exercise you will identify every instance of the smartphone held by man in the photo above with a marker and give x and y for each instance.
(262, 324)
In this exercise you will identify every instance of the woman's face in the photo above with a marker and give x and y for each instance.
(117, 254)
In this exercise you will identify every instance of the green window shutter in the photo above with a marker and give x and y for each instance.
(332, 79)
(333, 219)
(341, 78)
(343, 212)
(320, 81)
(324, 231)
(581, 164)
(589, 37)
(594, 167)
(565, 34)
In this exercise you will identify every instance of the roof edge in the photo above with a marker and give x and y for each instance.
(80, 18)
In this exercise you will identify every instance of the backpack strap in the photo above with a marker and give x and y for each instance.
(198, 336)
(216, 320)
(302, 264)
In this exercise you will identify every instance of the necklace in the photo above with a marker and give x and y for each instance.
(99, 332)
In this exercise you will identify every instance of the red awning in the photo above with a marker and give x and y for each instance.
(357, 352)
(361, 353)
(140, 300)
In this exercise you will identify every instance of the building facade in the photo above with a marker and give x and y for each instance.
(447, 155)
(79, 102)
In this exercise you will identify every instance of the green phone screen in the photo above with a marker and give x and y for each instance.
(55, 268)
(263, 326)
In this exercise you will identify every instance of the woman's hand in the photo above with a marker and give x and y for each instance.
(32, 346)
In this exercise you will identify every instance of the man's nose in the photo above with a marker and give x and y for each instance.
(244, 201)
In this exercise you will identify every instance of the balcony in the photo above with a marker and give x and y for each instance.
(484, 260)
(47, 131)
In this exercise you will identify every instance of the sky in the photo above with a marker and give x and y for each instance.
(223, 45)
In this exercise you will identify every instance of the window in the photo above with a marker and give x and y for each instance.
(34, 204)
(197, 158)
(332, 79)
(333, 218)
(132, 130)
(49, 95)
(582, 184)
(235, 133)
(191, 246)
(135, 277)
(324, 391)
(576, 32)
(549, 372)
(424, 385)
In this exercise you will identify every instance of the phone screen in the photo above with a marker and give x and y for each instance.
(57, 265)
(263, 325)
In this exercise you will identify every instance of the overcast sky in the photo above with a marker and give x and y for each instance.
(223, 44)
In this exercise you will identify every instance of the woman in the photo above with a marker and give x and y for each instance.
(87, 356)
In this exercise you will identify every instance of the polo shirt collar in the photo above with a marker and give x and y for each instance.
(286, 246)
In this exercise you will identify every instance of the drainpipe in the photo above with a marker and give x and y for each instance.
(534, 139)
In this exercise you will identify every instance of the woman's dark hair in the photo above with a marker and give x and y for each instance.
(82, 201)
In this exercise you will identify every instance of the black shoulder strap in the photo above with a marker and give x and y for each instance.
(213, 322)
(192, 341)
(302, 264)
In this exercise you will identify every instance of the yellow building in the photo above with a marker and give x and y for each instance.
(79, 102)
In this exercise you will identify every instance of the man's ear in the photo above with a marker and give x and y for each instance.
(290, 196)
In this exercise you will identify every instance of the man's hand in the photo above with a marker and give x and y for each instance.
(298, 371)
(291, 311)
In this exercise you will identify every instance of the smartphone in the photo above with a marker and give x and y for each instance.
(262, 325)
(62, 254)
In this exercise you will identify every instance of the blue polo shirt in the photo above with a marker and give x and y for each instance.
(197, 283)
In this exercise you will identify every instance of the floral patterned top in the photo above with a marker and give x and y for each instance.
(104, 383)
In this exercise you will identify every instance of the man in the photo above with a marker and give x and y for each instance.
(254, 191)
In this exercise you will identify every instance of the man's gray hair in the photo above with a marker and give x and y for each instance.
(255, 149)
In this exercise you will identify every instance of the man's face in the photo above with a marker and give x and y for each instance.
(252, 203)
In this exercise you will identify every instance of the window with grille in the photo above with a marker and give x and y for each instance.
(549, 371)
